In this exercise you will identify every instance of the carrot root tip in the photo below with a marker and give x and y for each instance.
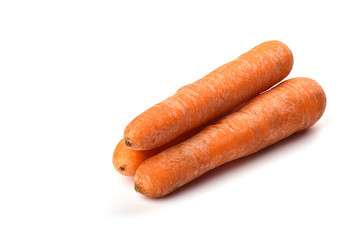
(122, 168)
(136, 187)
(127, 142)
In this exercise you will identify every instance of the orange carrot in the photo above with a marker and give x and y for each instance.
(291, 106)
(213, 95)
(127, 160)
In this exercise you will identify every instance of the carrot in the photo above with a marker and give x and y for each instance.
(213, 95)
(127, 160)
(291, 106)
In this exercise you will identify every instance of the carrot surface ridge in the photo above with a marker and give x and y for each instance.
(213, 95)
(291, 106)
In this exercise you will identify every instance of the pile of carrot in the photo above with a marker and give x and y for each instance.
(230, 113)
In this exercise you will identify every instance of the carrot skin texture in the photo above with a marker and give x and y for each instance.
(127, 160)
(292, 106)
(213, 95)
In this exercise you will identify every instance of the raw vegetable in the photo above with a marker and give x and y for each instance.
(213, 95)
(292, 106)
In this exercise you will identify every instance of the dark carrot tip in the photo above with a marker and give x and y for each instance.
(137, 188)
(122, 168)
(127, 142)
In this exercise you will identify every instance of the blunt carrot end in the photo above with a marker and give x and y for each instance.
(143, 184)
(127, 160)
(137, 189)
(127, 142)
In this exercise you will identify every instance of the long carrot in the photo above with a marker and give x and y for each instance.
(213, 95)
(291, 106)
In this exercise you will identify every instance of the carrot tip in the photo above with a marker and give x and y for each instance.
(127, 142)
(136, 187)
(122, 168)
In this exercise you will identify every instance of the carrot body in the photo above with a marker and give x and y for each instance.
(213, 95)
(291, 106)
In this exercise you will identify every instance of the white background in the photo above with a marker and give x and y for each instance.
(74, 73)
